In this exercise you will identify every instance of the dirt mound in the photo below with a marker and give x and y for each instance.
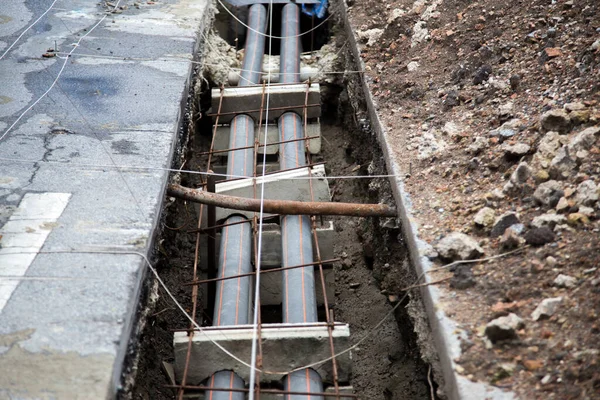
(495, 106)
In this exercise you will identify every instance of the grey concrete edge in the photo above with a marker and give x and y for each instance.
(445, 331)
(129, 333)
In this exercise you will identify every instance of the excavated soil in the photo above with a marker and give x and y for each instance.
(464, 89)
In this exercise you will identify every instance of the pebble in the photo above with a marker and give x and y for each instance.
(504, 328)
(575, 106)
(539, 236)
(463, 278)
(562, 205)
(514, 81)
(562, 165)
(587, 211)
(584, 140)
(565, 281)
(458, 246)
(479, 144)
(503, 222)
(587, 193)
(546, 308)
(482, 74)
(412, 66)
(551, 261)
(521, 174)
(511, 239)
(516, 150)
(575, 219)
(548, 193)
(485, 217)
(549, 220)
(555, 120)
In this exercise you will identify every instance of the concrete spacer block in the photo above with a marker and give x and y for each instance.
(271, 244)
(248, 100)
(312, 129)
(286, 185)
(284, 347)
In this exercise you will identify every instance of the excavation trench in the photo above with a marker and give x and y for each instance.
(371, 270)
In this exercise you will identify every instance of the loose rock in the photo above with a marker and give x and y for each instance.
(511, 239)
(546, 308)
(548, 193)
(587, 193)
(463, 278)
(539, 236)
(458, 246)
(504, 328)
(549, 220)
(479, 144)
(562, 165)
(485, 217)
(555, 120)
(565, 281)
(584, 140)
(575, 219)
(503, 222)
(516, 150)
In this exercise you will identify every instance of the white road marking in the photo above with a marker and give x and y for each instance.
(24, 234)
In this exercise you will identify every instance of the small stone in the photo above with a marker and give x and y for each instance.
(514, 81)
(482, 74)
(542, 175)
(354, 285)
(548, 193)
(587, 211)
(463, 278)
(579, 117)
(504, 328)
(506, 110)
(584, 140)
(412, 66)
(533, 365)
(546, 379)
(371, 36)
(587, 193)
(551, 261)
(521, 174)
(458, 246)
(575, 106)
(452, 129)
(546, 308)
(565, 281)
(496, 195)
(575, 219)
(555, 120)
(539, 236)
(485, 217)
(562, 205)
(552, 52)
(562, 165)
(510, 239)
(516, 150)
(549, 220)
(479, 144)
(503, 222)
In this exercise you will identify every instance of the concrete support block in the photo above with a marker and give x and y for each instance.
(312, 129)
(284, 347)
(271, 258)
(248, 100)
(286, 185)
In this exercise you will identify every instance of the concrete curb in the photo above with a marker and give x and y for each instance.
(446, 333)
